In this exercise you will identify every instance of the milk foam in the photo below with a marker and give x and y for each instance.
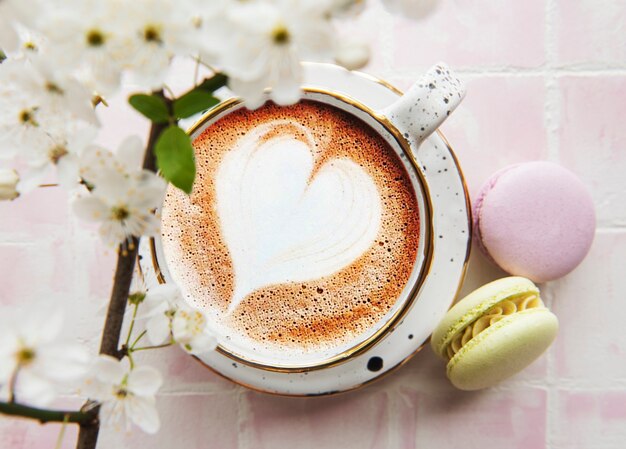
(284, 223)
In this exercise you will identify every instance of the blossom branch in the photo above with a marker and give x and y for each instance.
(12, 385)
(110, 343)
(46, 416)
(144, 348)
(88, 434)
(139, 337)
(132, 325)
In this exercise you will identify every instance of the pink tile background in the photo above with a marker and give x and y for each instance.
(590, 143)
(466, 34)
(591, 32)
(546, 80)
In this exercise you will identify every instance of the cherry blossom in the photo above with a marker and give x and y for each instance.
(123, 205)
(169, 316)
(35, 358)
(269, 39)
(8, 184)
(352, 54)
(127, 395)
(413, 9)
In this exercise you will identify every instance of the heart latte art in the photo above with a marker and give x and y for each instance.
(282, 223)
(301, 232)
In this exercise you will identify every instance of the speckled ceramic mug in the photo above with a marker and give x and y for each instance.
(402, 127)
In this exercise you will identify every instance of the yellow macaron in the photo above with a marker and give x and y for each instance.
(494, 332)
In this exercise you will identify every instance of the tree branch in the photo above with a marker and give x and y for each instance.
(46, 416)
(88, 433)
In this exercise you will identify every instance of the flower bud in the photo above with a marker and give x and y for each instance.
(8, 183)
(346, 8)
(412, 9)
(352, 54)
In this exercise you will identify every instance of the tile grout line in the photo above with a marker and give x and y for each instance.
(551, 393)
(548, 69)
(392, 419)
(243, 414)
(615, 229)
(612, 384)
(552, 119)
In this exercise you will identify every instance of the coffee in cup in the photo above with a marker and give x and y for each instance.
(301, 233)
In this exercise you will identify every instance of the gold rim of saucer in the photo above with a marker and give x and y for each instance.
(425, 218)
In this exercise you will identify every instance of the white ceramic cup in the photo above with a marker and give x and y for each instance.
(404, 125)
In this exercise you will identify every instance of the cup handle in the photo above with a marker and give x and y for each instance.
(425, 106)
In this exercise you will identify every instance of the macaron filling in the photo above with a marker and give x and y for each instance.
(504, 308)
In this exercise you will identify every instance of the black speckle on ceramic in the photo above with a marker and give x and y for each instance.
(438, 93)
(375, 364)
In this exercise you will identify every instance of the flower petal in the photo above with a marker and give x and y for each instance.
(91, 208)
(201, 344)
(158, 329)
(33, 389)
(112, 186)
(63, 362)
(142, 411)
(144, 381)
(250, 91)
(40, 326)
(67, 171)
(163, 293)
(31, 178)
(286, 77)
(413, 9)
(130, 153)
(109, 370)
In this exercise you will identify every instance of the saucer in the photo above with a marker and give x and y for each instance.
(451, 239)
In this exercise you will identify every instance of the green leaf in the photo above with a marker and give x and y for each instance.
(193, 102)
(151, 106)
(215, 82)
(175, 158)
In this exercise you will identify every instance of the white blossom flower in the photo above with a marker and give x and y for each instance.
(54, 93)
(96, 162)
(189, 329)
(8, 183)
(20, 121)
(413, 9)
(123, 197)
(61, 150)
(268, 41)
(38, 111)
(83, 36)
(127, 395)
(153, 32)
(31, 350)
(213, 30)
(31, 43)
(124, 206)
(161, 303)
(8, 34)
(12, 11)
(169, 316)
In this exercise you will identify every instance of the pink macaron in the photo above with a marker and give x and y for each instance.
(535, 219)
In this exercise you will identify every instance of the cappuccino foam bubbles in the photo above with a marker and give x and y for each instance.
(281, 222)
(300, 235)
